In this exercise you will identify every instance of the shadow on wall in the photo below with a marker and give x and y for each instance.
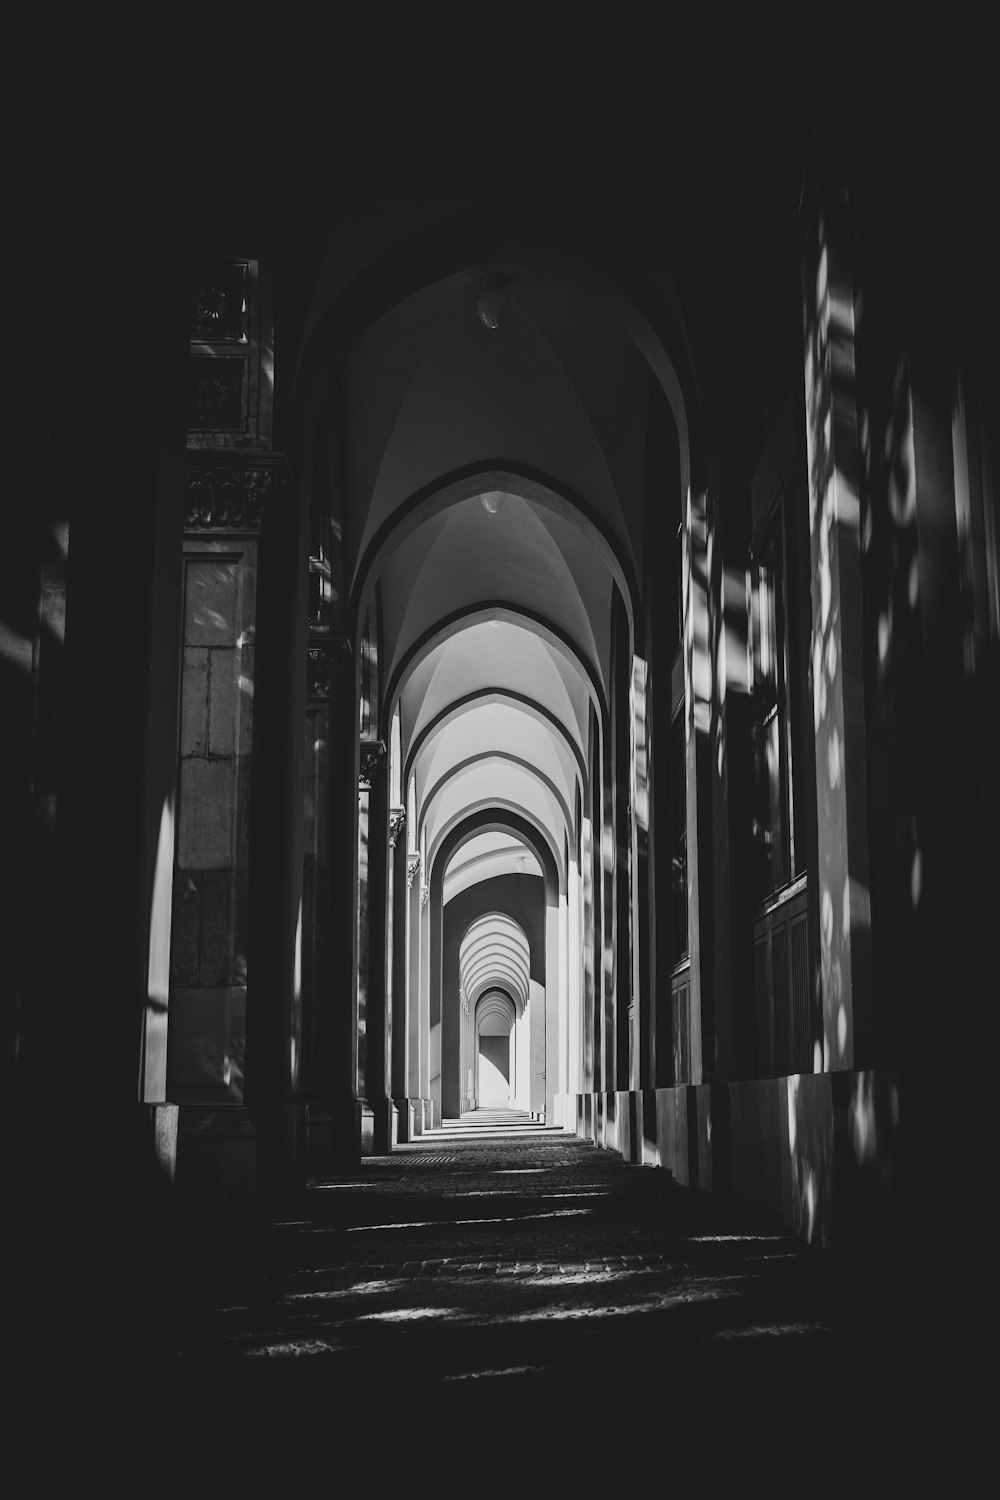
(844, 1179)
(822, 1151)
(494, 1070)
(34, 548)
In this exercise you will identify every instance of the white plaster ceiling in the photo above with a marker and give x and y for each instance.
(495, 952)
(499, 729)
(504, 655)
(495, 623)
(492, 782)
(485, 857)
(557, 388)
(522, 556)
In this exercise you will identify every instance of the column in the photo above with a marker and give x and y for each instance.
(563, 1009)
(233, 1007)
(425, 1004)
(625, 914)
(697, 750)
(554, 981)
(575, 959)
(396, 961)
(329, 754)
(373, 819)
(413, 989)
(588, 1083)
(837, 635)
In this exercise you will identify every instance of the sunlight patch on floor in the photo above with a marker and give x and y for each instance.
(295, 1347)
(556, 1213)
(714, 1239)
(359, 1289)
(405, 1314)
(772, 1330)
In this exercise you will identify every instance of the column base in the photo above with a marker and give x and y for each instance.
(366, 1129)
(382, 1111)
(334, 1134)
(319, 1140)
(402, 1121)
(158, 1146)
(216, 1153)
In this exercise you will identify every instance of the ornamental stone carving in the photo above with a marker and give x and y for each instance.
(425, 896)
(230, 496)
(219, 305)
(371, 763)
(327, 666)
(397, 818)
(412, 868)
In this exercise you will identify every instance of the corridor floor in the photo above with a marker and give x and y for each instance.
(496, 1248)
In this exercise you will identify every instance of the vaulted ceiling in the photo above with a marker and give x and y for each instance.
(493, 505)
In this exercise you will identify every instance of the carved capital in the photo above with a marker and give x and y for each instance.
(425, 896)
(371, 763)
(327, 667)
(231, 496)
(397, 818)
(412, 869)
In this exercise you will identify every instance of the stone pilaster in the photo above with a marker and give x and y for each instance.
(373, 812)
(329, 695)
(210, 942)
(396, 967)
(837, 635)
(696, 649)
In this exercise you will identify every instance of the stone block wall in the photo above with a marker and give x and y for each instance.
(209, 927)
(823, 1152)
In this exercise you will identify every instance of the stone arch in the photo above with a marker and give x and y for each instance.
(496, 1018)
(516, 760)
(491, 610)
(489, 819)
(491, 695)
(542, 490)
(494, 817)
(649, 315)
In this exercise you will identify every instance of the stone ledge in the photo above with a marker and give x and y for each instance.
(225, 493)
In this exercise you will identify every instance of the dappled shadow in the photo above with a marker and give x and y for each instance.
(459, 1258)
(34, 550)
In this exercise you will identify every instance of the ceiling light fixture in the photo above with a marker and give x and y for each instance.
(492, 501)
(492, 301)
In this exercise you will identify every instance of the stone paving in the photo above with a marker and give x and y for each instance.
(495, 1247)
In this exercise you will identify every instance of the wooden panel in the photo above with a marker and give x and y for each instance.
(680, 997)
(762, 1006)
(801, 1039)
(209, 925)
(776, 463)
(781, 985)
(779, 993)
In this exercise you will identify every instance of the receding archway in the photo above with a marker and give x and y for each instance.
(540, 919)
(494, 1035)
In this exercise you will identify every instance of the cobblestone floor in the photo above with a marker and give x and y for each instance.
(508, 1250)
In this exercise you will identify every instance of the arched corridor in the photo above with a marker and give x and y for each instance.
(500, 637)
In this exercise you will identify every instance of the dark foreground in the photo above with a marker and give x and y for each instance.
(500, 1251)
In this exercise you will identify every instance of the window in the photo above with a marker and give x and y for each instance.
(778, 849)
(230, 364)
